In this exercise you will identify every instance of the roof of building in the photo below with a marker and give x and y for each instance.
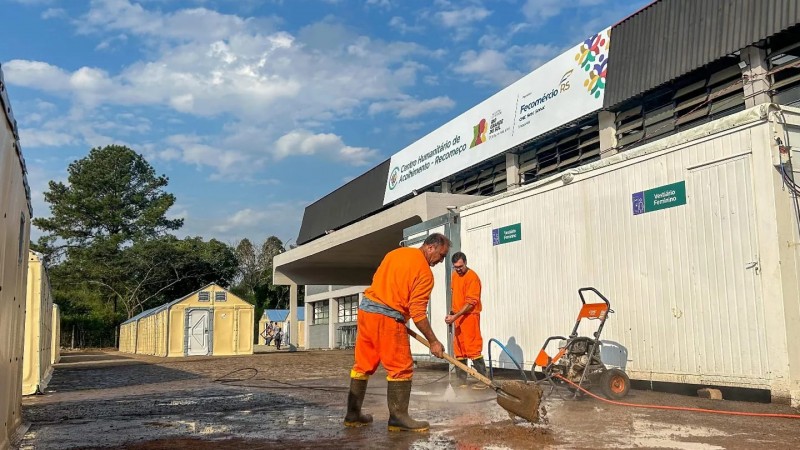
(160, 308)
(280, 315)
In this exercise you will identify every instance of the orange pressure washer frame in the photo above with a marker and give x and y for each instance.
(589, 311)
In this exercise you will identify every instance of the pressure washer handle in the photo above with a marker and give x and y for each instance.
(474, 373)
(591, 289)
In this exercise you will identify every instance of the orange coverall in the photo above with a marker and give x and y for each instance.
(403, 282)
(467, 340)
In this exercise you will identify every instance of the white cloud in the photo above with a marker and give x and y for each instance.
(303, 142)
(195, 150)
(487, 66)
(542, 10)
(501, 39)
(380, 3)
(169, 154)
(462, 17)
(268, 87)
(491, 66)
(36, 138)
(459, 19)
(400, 24)
(37, 75)
(108, 43)
(39, 177)
(195, 24)
(54, 13)
(255, 77)
(408, 107)
(281, 219)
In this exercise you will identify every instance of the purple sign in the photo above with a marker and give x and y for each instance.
(638, 203)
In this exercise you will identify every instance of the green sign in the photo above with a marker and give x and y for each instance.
(504, 235)
(662, 197)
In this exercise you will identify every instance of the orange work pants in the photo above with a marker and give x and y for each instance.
(382, 339)
(467, 340)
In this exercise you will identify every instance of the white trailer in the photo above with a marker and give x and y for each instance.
(15, 222)
(693, 238)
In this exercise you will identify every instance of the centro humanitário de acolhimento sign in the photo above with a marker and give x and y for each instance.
(564, 89)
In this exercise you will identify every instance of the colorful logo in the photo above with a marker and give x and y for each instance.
(478, 134)
(394, 178)
(593, 58)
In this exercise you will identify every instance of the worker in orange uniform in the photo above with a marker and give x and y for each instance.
(466, 302)
(400, 290)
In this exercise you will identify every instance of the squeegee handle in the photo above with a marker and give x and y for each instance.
(474, 373)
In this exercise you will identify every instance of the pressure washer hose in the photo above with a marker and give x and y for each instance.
(679, 408)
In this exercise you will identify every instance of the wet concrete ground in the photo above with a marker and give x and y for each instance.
(297, 400)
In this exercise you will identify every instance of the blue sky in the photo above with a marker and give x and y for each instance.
(254, 109)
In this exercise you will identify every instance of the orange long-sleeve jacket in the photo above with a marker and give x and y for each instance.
(403, 282)
(466, 289)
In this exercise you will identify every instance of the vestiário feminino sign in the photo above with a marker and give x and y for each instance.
(662, 197)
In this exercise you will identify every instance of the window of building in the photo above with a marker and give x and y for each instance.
(783, 59)
(348, 308)
(204, 296)
(220, 296)
(574, 145)
(321, 313)
(697, 98)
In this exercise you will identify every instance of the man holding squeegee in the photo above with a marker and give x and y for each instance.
(466, 302)
(400, 290)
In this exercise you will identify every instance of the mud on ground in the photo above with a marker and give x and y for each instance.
(296, 400)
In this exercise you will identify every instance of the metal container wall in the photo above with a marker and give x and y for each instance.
(127, 337)
(14, 236)
(37, 362)
(704, 292)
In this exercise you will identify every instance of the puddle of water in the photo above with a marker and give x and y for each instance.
(660, 435)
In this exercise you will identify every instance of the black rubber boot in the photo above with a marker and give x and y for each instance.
(480, 366)
(398, 393)
(354, 418)
(461, 376)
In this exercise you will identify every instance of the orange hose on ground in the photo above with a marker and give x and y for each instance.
(681, 408)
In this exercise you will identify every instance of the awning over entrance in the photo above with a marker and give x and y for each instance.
(350, 255)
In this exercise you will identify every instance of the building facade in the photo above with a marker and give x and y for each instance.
(665, 102)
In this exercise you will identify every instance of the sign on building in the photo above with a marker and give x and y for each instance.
(564, 89)
(504, 235)
(662, 197)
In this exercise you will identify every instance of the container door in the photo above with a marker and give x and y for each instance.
(198, 332)
(724, 264)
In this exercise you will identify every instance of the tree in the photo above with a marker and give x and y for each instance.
(254, 277)
(164, 269)
(108, 245)
(249, 271)
(112, 195)
(274, 296)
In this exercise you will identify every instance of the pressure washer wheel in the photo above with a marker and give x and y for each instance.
(615, 384)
